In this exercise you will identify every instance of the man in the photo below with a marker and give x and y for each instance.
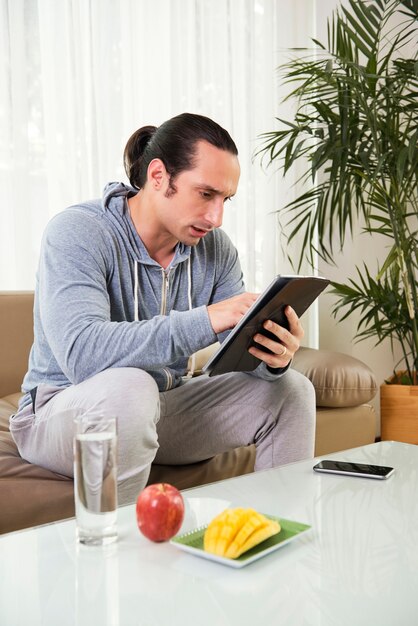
(127, 289)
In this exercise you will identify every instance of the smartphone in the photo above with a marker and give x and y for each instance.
(354, 469)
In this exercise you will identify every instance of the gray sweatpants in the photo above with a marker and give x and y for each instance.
(193, 422)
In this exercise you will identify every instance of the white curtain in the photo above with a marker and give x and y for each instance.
(77, 77)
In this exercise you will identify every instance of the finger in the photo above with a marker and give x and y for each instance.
(277, 348)
(295, 327)
(291, 336)
(283, 335)
(286, 345)
(251, 297)
(272, 360)
(281, 354)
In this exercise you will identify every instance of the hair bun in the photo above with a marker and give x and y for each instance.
(134, 151)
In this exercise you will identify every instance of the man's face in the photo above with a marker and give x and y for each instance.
(197, 205)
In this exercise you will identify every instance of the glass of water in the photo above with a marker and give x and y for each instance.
(95, 478)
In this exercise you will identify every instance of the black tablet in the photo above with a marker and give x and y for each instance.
(298, 291)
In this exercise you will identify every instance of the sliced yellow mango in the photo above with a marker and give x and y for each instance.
(234, 531)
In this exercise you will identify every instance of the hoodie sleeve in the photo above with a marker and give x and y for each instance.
(75, 309)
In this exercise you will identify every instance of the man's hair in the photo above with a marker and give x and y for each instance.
(175, 143)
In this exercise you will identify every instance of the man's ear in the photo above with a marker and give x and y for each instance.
(157, 174)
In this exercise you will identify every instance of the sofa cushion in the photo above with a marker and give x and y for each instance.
(342, 428)
(339, 380)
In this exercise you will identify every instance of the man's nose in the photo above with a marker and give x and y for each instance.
(215, 213)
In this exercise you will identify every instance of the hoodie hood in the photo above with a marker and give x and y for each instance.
(116, 211)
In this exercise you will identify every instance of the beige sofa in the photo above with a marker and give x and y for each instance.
(30, 495)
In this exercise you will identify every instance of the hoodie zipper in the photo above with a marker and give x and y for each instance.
(164, 290)
(164, 298)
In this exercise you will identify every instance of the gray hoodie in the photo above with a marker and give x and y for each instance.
(102, 302)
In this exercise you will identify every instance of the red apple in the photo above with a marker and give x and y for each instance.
(159, 511)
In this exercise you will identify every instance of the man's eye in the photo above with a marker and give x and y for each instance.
(206, 194)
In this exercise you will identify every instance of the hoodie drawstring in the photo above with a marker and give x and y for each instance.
(136, 288)
(189, 298)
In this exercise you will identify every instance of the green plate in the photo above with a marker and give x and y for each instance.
(193, 542)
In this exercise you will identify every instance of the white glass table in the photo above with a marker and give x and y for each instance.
(357, 565)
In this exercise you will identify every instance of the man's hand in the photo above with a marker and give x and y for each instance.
(288, 341)
(226, 314)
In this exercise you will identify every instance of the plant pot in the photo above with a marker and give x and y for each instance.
(399, 413)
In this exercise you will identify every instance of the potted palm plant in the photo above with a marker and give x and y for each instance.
(355, 132)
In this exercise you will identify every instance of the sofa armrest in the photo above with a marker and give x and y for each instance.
(16, 337)
(340, 380)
